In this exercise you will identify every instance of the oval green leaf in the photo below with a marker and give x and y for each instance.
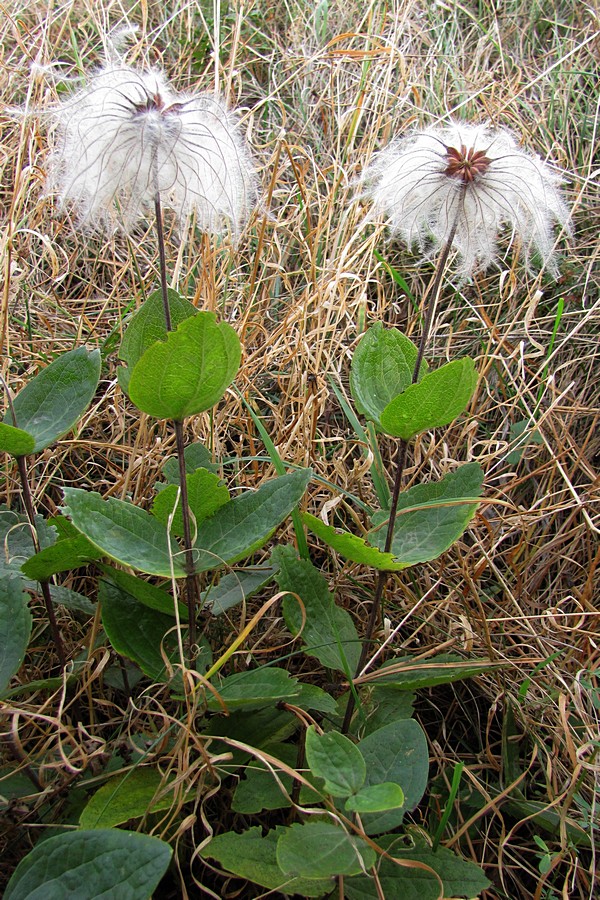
(245, 523)
(334, 758)
(51, 403)
(252, 855)
(431, 517)
(382, 368)
(189, 372)
(254, 688)
(319, 850)
(397, 753)
(438, 399)
(137, 632)
(90, 864)
(124, 532)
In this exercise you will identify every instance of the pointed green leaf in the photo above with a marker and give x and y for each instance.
(376, 798)
(126, 796)
(437, 400)
(397, 753)
(52, 403)
(245, 523)
(235, 587)
(252, 855)
(444, 668)
(382, 368)
(206, 493)
(334, 758)
(352, 547)
(107, 862)
(145, 593)
(431, 517)
(189, 372)
(15, 441)
(459, 877)
(319, 850)
(126, 533)
(329, 632)
(15, 628)
(254, 688)
(65, 554)
(137, 632)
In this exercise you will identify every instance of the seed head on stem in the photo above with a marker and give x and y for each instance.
(472, 177)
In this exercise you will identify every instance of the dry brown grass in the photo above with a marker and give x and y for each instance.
(522, 584)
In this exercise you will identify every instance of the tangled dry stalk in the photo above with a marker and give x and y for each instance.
(324, 87)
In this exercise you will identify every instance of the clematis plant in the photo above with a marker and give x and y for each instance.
(128, 144)
(448, 190)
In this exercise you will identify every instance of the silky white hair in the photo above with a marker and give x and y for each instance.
(127, 135)
(410, 182)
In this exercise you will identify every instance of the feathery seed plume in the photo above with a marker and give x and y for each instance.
(127, 135)
(467, 183)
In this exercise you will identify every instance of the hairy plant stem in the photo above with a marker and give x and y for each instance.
(191, 581)
(29, 508)
(431, 299)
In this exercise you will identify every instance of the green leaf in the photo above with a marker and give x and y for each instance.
(437, 400)
(90, 864)
(189, 372)
(130, 795)
(313, 697)
(196, 456)
(235, 587)
(245, 523)
(382, 368)
(124, 532)
(260, 790)
(259, 728)
(431, 517)
(15, 441)
(376, 798)
(147, 594)
(52, 403)
(442, 669)
(138, 632)
(320, 850)
(329, 633)
(254, 688)
(551, 821)
(352, 547)
(397, 753)
(386, 704)
(252, 855)
(64, 555)
(460, 878)
(206, 493)
(334, 758)
(15, 628)
(147, 326)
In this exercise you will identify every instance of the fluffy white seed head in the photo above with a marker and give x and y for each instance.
(127, 135)
(471, 178)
